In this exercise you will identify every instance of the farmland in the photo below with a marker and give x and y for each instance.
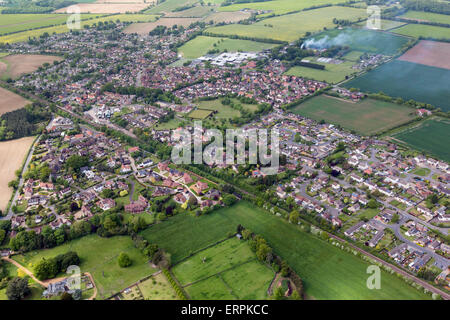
(19, 64)
(200, 46)
(231, 264)
(107, 7)
(420, 30)
(430, 53)
(409, 81)
(99, 257)
(145, 28)
(279, 6)
(23, 36)
(430, 136)
(287, 27)
(169, 5)
(333, 73)
(9, 101)
(426, 16)
(327, 272)
(12, 155)
(228, 17)
(366, 117)
(371, 41)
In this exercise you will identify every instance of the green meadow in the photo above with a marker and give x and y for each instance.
(327, 272)
(427, 16)
(421, 30)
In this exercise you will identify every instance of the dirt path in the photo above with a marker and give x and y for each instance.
(28, 272)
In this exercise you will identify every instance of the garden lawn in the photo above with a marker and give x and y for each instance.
(366, 117)
(99, 257)
(327, 272)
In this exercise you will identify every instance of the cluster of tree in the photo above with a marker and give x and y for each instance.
(149, 95)
(309, 65)
(265, 254)
(50, 268)
(266, 40)
(23, 122)
(156, 255)
(174, 284)
(427, 6)
(124, 260)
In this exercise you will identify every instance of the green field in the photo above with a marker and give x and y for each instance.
(23, 36)
(327, 272)
(409, 81)
(20, 22)
(279, 6)
(333, 73)
(430, 136)
(231, 262)
(427, 16)
(353, 56)
(365, 117)
(376, 42)
(201, 45)
(291, 27)
(199, 114)
(421, 30)
(169, 5)
(99, 257)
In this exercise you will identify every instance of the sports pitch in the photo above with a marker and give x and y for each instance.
(365, 117)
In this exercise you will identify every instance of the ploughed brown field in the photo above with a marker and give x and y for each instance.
(430, 53)
(19, 64)
(9, 101)
(145, 27)
(12, 156)
(123, 7)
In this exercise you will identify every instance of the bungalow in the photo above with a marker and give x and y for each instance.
(187, 179)
(106, 204)
(179, 198)
(137, 206)
(356, 178)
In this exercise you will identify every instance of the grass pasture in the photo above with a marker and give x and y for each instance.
(426, 16)
(333, 73)
(169, 5)
(12, 155)
(200, 46)
(228, 17)
(327, 272)
(99, 257)
(290, 27)
(230, 262)
(421, 30)
(107, 7)
(430, 136)
(366, 117)
(200, 114)
(372, 41)
(279, 6)
(409, 81)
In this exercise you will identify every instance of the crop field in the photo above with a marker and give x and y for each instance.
(12, 155)
(333, 73)
(19, 22)
(197, 11)
(23, 36)
(19, 64)
(430, 136)
(230, 263)
(107, 7)
(228, 17)
(365, 40)
(366, 117)
(145, 28)
(279, 6)
(200, 46)
(430, 53)
(199, 114)
(421, 30)
(291, 27)
(327, 272)
(99, 257)
(9, 101)
(426, 16)
(169, 5)
(409, 81)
